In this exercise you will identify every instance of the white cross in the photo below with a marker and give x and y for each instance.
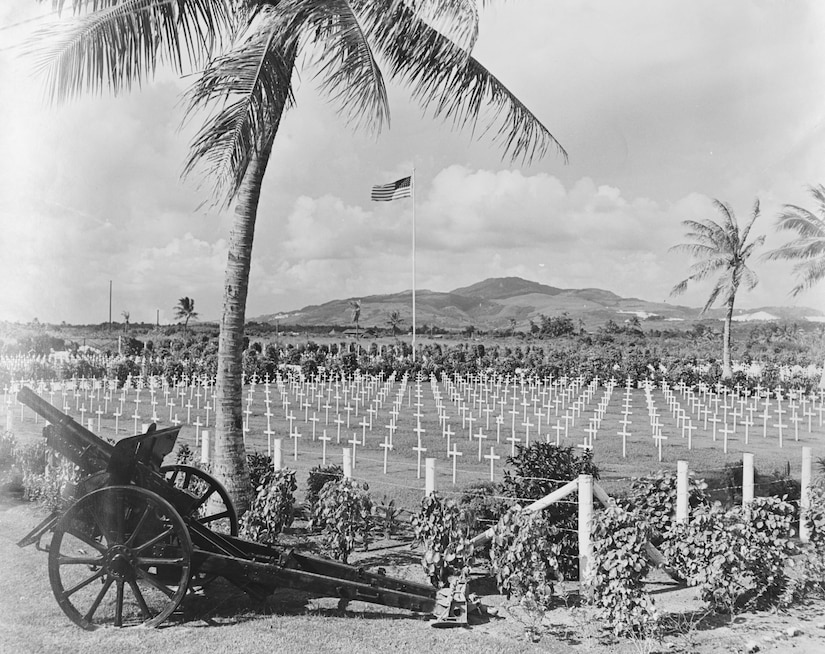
(493, 457)
(387, 446)
(481, 438)
(324, 439)
(455, 454)
(295, 436)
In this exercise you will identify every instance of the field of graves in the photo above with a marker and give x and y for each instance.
(404, 432)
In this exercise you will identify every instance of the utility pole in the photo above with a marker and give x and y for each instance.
(110, 305)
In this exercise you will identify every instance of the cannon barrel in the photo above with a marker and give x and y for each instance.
(79, 445)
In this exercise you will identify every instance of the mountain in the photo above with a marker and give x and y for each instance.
(494, 303)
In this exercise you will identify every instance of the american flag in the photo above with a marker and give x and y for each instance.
(386, 192)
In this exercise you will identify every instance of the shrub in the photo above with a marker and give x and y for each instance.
(618, 570)
(654, 499)
(388, 513)
(539, 470)
(344, 514)
(442, 528)
(318, 478)
(184, 455)
(260, 465)
(525, 556)
(483, 504)
(272, 509)
(737, 558)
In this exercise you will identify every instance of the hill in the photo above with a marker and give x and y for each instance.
(494, 303)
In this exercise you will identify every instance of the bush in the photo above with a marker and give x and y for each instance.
(525, 556)
(618, 570)
(318, 477)
(483, 505)
(736, 558)
(260, 465)
(539, 470)
(654, 499)
(441, 526)
(272, 509)
(344, 514)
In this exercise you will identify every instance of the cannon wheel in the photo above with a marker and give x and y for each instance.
(214, 508)
(120, 556)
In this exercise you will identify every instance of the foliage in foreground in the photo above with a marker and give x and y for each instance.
(344, 515)
(272, 509)
(442, 528)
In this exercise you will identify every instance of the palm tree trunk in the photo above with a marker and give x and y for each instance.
(229, 464)
(727, 369)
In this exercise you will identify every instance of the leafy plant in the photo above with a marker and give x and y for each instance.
(343, 512)
(618, 570)
(540, 469)
(260, 465)
(525, 556)
(441, 526)
(736, 558)
(272, 509)
(388, 514)
(654, 499)
(318, 477)
(184, 455)
(483, 504)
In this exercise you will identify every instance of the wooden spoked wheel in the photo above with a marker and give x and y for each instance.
(213, 509)
(120, 556)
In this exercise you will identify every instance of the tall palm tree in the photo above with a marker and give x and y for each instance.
(395, 322)
(808, 248)
(262, 44)
(185, 310)
(126, 315)
(721, 249)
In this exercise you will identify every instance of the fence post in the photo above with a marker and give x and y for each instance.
(805, 495)
(429, 476)
(681, 492)
(205, 451)
(747, 478)
(347, 463)
(277, 454)
(585, 519)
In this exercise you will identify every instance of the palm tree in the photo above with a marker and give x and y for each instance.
(513, 324)
(723, 249)
(126, 315)
(355, 307)
(116, 43)
(184, 310)
(395, 322)
(808, 248)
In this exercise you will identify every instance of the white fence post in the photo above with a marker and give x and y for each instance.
(277, 454)
(205, 449)
(585, 519)
(681, 492)
(805, 495)
(747, 478)
(347, 463)
(429, 476)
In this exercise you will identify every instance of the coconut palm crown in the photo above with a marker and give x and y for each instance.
(722, 250)
(808, 248)
(246, 54)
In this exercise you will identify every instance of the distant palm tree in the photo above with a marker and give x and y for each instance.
(512, 326)
(355, 306)
(184, 310)
(395, 322)
(723, 249)
(126, 315)
(808, 248)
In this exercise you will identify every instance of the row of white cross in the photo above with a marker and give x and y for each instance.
(524, 407)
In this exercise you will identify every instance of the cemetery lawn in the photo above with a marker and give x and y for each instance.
(225, 620)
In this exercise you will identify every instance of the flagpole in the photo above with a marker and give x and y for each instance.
(413, 262)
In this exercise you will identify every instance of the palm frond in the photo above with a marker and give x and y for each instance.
(253, 80)
(808, 273)
(451, 85)
(116, 43)
(350, 75)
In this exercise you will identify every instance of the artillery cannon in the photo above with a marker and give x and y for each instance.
(137, 536)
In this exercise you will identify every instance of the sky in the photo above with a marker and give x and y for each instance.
(663, 106)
